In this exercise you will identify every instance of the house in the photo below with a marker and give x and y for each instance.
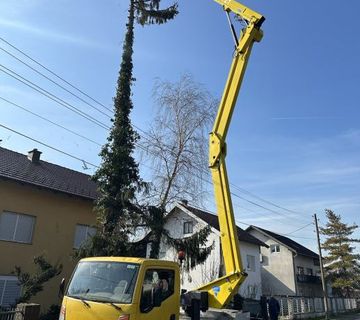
(45, 209)
(183, 221)
(287, 267)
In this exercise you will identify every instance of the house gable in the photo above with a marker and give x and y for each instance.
(287, 242)
(212, 267)
(292, 270)
(213, 221)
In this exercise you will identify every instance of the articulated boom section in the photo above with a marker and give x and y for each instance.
(221, 290)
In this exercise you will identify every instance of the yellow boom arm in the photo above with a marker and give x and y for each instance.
(221, 290)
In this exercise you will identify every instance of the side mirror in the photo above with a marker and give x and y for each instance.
(62, 288)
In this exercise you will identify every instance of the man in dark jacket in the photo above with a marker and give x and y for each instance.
(274, 308)
(264, 308)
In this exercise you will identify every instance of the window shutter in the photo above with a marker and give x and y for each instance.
(12, 292)
(9, 290)
(24, 228)
(16, 227)
(7, 225)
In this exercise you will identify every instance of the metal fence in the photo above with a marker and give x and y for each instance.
(302, 307)
(9, 313)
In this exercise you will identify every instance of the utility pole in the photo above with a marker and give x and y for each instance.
(322, 270)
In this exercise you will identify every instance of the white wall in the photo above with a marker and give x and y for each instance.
(277, 269)
(209, 271)
(251, 287)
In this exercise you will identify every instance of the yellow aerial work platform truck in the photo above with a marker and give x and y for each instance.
(120, 288)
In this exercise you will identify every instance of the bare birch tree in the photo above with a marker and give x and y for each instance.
(178, 145)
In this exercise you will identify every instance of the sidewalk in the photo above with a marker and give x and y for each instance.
(346, 317)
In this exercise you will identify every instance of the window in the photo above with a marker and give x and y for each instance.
(9, 290)
(309, 271)
(104, 281)
(316, 262)
(300, 270)
(158, 285)
(16, 227)
(274, 248)
(250, 263)
(188, 227)
(82, 234)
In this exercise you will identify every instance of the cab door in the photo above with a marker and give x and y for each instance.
(159, 295)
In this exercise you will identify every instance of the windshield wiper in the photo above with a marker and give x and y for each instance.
(115, 306)
(81, 298)
(107, 301)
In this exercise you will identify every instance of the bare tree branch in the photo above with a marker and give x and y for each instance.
(179, 140)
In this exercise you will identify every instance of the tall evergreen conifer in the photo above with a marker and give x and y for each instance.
(341, 264)
(118, 176)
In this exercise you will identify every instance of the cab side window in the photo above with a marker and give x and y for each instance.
(158, 285)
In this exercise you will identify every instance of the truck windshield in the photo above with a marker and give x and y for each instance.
(104, 281)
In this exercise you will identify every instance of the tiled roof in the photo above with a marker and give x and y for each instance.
(213, 221)
(16, 166)
(297, 247)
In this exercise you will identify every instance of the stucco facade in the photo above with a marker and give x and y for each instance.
(284, 271)
(211, 269)
(56, 216)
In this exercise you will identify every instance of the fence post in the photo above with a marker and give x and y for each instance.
(27, 311)
(290, 305)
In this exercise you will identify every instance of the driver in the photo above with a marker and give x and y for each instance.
(162, 290)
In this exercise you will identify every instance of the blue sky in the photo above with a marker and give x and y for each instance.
(295, 135)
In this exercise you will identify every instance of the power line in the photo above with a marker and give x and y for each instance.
(52, 122)
(280, 234)
(236, 195)
(48, 146)
(140, 146)
(299, 229)
(53, 97)
(54, 82)
(54, 74)
(249, 225)
(262, 199)
(241, 190)
(99, 103)
(263, 207)
(88, 117)
(199, 169)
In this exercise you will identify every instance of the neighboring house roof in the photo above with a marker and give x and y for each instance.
(16, 166)
(291, 244)
(213, 221)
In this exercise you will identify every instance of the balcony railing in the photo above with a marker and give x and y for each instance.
(304, 278)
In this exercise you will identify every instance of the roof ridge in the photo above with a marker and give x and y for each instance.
(53, 164)
(291, 243)
(243, 233)
(17, 167)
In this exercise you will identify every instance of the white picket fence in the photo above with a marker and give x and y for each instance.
(303, 308)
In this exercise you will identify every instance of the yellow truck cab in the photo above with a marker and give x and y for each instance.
(119, 288)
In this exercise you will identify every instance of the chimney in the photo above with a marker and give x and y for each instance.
(34, 155)
(184, 202)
